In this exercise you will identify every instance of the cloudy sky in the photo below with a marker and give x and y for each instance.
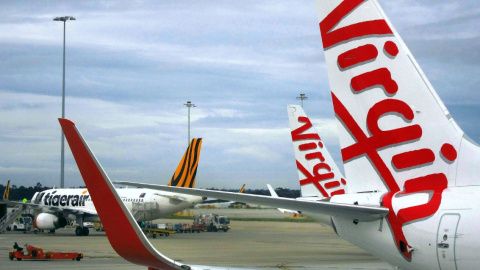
(131, 66)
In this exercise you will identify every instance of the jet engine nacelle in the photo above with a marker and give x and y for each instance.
(45, 221)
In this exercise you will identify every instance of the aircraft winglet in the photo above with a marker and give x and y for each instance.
(122, 231)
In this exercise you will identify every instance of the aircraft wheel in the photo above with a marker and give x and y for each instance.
(78, 231)
(85, 231)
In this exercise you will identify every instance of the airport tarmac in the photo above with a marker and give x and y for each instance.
(250, 244)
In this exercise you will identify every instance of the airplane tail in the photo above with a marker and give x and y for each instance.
(6, 193)
(242, 189)
(186, 171)
(282, 210)
(272, 191)
(127, 240)
(395, 133)
(318, 174)
(391, 120)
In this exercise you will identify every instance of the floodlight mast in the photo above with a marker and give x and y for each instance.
(302, 97)
(189, 104)
(62, 162)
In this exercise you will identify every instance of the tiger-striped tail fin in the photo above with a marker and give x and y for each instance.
(186, 171)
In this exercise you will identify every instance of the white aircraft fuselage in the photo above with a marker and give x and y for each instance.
(445, 240)
(144, 204)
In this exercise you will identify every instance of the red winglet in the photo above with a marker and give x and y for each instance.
(122, 231)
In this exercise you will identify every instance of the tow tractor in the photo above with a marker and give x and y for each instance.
(34, 253)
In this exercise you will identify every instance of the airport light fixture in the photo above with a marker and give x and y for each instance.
(189, 104)
(302, 97)
(63, 19)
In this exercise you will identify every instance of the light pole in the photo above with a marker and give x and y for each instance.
(63, 19)
(189, 104)
(302, 97)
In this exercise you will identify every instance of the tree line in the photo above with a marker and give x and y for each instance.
(21, 192)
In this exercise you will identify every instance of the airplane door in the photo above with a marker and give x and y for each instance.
(446, 237)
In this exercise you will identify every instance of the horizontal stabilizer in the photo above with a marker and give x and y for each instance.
(348, 211)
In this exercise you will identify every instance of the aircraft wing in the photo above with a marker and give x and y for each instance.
(173, 197)
(348, 211)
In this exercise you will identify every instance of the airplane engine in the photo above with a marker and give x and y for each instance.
(45, 221)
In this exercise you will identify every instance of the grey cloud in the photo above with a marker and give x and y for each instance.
(132, 64)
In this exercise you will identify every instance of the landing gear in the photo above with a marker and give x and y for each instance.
(82, 231)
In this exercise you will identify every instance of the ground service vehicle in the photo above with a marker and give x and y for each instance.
(180, 227)
(22, 223)
(34, 253)
(157, 229)
(211, 222)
